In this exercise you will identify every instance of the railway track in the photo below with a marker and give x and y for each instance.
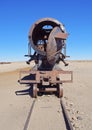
(67, 121)
(29, 115)
(66, 117)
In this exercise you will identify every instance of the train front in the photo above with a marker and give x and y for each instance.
(47, 37)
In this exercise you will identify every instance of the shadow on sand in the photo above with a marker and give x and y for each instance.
(28, 91)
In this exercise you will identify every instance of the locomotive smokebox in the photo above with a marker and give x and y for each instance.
(47, 37)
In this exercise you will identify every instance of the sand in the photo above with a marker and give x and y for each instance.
(14, 66)
(77, 98)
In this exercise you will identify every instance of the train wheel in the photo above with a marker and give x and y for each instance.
(60, 91)
(34, 90)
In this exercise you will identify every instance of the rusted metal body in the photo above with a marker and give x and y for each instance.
(46, 77)
(47, 37)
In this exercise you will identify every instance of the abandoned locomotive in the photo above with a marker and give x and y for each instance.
(47, 37)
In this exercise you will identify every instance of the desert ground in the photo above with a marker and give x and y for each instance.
(47, 113)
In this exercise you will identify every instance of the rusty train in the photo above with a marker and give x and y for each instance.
(47, 37)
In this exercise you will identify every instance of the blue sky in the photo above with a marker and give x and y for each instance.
(16, 18)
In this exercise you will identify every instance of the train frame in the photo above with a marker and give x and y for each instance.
(46, 81)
